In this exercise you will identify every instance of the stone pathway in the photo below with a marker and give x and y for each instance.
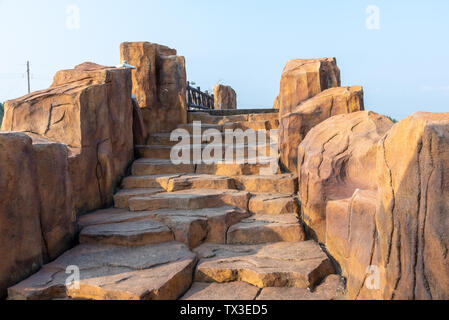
(194, 232)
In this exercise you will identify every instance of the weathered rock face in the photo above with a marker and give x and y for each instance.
(20, 226)
(55, 191)
(295, 126)
(159, 84)
(90, 110)
(304, 78)
(338, 188)
(331, 160)
(225, 98)
(412, 218)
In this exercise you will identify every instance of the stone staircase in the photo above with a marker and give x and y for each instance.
(219, 231)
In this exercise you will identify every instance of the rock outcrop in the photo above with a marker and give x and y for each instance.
(338, 187)
(159, 84)
(295, 126)
(20, 226)
(225, 98)
(331, 159)
(412, 218)
(90, 110)
(302, 79)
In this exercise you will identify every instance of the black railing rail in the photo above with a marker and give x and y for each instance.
(198, 100)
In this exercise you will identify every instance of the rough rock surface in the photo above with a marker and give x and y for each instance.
(304, 78)
(109, 272)
(90, 110)
(21, 242)
(137, 233)
(192, 227)
(331, 159)
(191, 199)
(225, 98)
(296, 125)
(267, 229)
(265, 203)
(55, 192)
(331, 289)
(221, 291)
(412, 218)
(299, 265)
(159, 84)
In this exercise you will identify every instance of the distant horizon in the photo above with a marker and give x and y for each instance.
(394, 50)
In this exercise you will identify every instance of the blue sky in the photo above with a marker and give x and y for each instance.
(403, 66)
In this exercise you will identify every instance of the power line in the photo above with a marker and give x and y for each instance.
(28, 76)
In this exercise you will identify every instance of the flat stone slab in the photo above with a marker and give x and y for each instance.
(146, 166)
(192, 227)
(122, 197)
(194, 181)
(148, 181)
(282, 183)
(297, 265)
(108, 272)
(266, 203)
(238, 291)
(331, 289)
(136, 233)
(267, 229)
(191, 200)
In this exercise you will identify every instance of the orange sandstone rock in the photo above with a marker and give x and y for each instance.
(296, 125)
(304, 78)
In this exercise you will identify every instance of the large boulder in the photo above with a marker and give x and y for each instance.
(21, 242)
(90, 110)
(225, 98)
(338, 188)
(159, 83)
(337, 157)
(302, 79)
(295, 126)
(413, 210)
(55, 192)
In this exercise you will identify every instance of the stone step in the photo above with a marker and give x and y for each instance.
(269, 204)
(298, 265)
(282, 183)
(204, 127)
(192, 227)
(122, 197)
(148, 181)
(234, 291)
(135, 233)
(191, 200)
(171, 183)
(209, 119)
(232, 170)
(216, 151)
(261, 229)
(252, 125)
(109, 272)
(332, 288)
(147, 166)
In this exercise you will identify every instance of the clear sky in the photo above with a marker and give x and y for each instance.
(403, 65)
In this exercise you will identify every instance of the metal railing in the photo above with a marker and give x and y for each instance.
(198, 100)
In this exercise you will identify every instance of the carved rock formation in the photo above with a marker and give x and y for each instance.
(90, 110)
(295, 126)
(412, 218)
(302, 79)
(225, 98)
(159, 83)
